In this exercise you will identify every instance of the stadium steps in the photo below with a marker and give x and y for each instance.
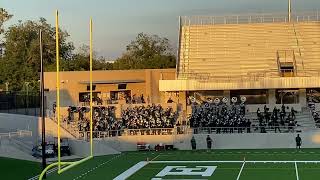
(303, 119)
(69, 131)
(208, 48)
(9, 149)
(23, 144)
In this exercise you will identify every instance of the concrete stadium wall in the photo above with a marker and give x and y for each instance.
(51, 130)
(73, 83)
(251, 141)
(221, 141)
(82, 148)
(14, 122)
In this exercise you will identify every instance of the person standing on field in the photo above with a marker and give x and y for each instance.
(298, 142)
(209, 143)
(193, 143)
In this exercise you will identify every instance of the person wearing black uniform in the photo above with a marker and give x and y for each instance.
(193, 143)
(209, 143)
(298, 142)
(248, 125)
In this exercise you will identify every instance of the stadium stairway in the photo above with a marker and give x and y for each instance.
(13, 148)
(304, 118)
(67, 130)
(24, 144)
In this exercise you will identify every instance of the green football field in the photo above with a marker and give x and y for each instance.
(277, 164)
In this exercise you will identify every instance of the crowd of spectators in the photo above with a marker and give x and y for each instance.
(151, 116)
(103, 118)
(316, 117)
(277, 118)
(225, 118)
(315, 113)
(136, 117)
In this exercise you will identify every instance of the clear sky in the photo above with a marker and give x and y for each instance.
(117, 22)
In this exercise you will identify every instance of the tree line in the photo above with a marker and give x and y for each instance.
(20, 56)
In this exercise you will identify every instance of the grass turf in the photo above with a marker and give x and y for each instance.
(18, 169)
(109, 167)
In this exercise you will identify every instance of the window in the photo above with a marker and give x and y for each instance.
(93, 87)
(85, 96)
(122, 86)
(258, 96)
(287, 96)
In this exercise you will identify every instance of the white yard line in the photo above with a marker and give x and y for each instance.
(134, 169)
(161, 162)
(84, 174)
(131, 170)
(156, 157)
(244, 162)
(142, 164)
(297, 173)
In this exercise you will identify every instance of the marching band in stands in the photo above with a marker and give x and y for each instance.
(141, 117)
(215, 114)
(219, 114)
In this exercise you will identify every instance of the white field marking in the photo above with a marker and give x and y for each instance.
(297, 173)
(142, 164)
(163, 162)
(244, 162)
(157, 157)
(92, 169)
(131, 170)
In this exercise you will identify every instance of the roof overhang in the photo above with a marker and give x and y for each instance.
(263, 83)
(114, 81)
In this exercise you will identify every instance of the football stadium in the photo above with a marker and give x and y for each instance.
(242, 103)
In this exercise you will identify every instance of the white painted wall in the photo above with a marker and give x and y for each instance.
(221, 141)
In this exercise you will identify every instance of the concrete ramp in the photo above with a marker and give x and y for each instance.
(10, 149)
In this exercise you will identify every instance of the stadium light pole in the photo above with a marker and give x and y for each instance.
(91, 103)
(43, 139)
(289, 11)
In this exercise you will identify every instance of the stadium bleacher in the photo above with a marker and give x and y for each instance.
(208, 49)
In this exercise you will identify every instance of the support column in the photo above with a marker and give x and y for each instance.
(226, 93)
(148, 87)
(303, 97)
(272, 97)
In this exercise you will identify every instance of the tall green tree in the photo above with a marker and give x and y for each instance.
(80, 61)
(147, 52)
(21, 61)
(4, 16)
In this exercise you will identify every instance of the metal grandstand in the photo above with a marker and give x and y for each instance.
(250, 47)
(249, 18)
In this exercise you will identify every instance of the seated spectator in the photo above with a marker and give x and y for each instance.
(170, 100)
(225, 118)
(153, 116)
(103, 119)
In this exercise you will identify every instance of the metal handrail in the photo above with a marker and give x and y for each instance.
(249, 18)
(19, 133)
(235, 77)
(187, 130)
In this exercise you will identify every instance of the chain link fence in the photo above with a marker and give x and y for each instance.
(20, 103)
